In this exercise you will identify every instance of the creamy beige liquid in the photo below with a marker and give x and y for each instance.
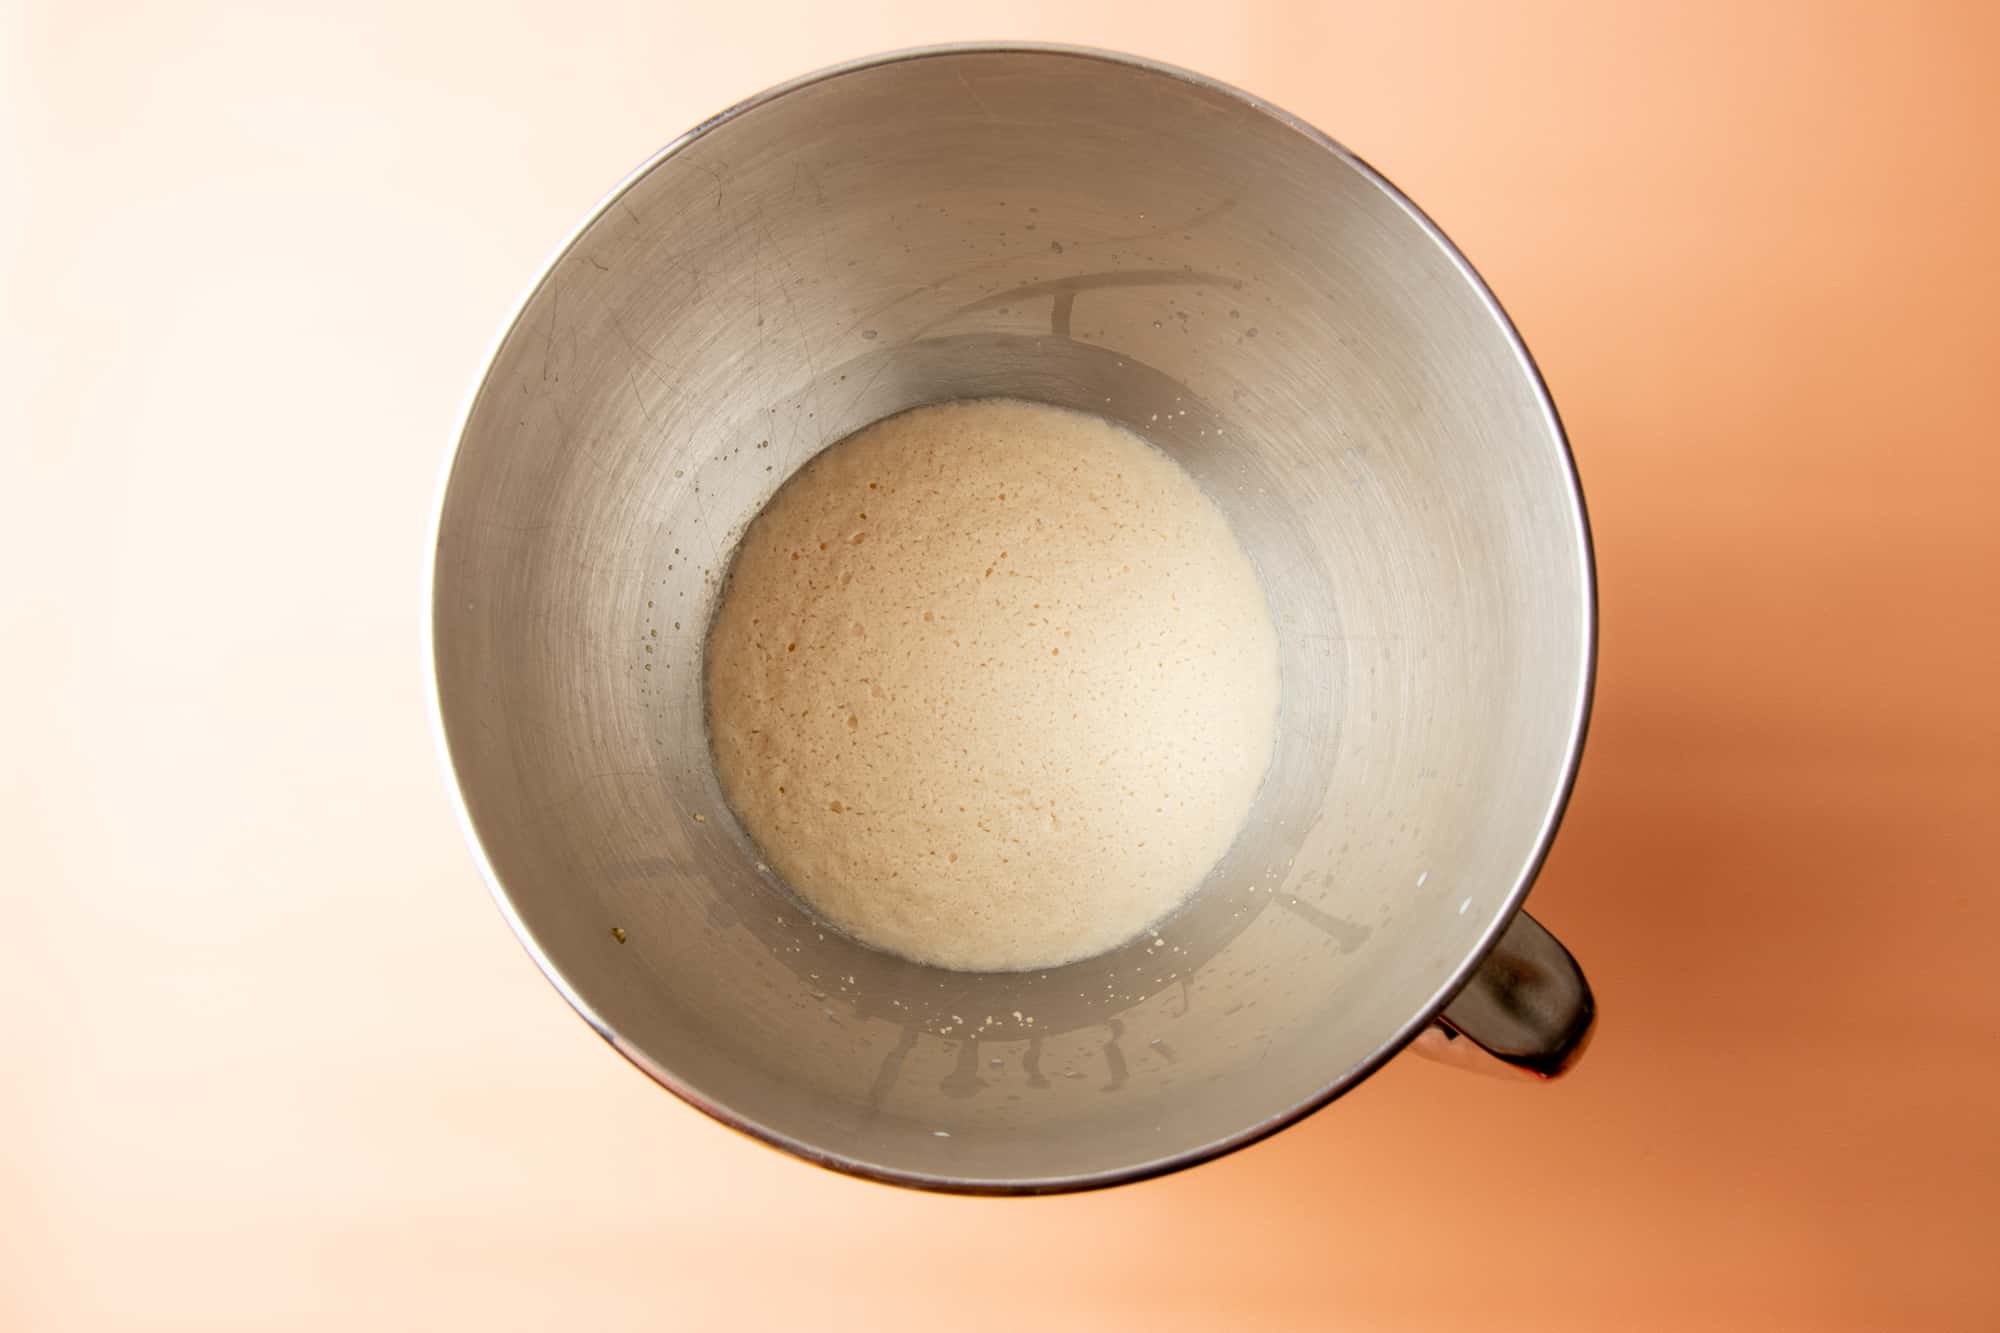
(992, 685)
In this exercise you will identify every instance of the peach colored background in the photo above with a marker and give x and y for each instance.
(272, 1060)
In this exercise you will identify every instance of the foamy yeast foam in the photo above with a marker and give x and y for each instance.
(992, 685)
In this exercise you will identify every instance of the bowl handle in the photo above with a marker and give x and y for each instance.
(1527, 1011)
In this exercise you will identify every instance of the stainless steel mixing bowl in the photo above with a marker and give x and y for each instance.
(1100, 233)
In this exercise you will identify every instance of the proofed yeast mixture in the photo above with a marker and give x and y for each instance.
(992, 685)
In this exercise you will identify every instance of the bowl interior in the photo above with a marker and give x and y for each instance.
(1098, 234)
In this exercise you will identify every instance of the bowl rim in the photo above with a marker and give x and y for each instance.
(1165, 1163)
